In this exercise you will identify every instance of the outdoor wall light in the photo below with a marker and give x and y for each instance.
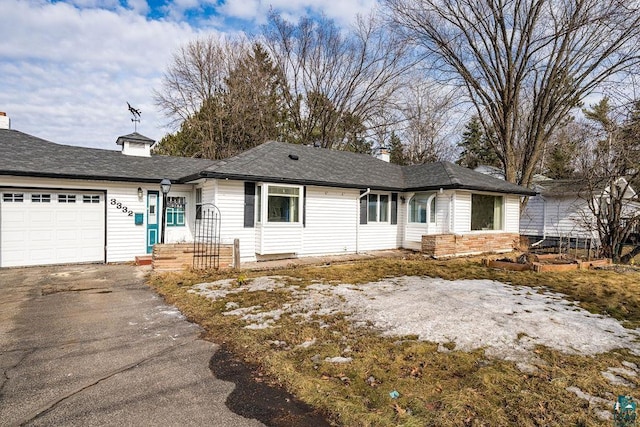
(140, 194)
(165, 186)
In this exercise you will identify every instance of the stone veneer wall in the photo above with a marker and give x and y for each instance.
(178, 256)
(444, 245)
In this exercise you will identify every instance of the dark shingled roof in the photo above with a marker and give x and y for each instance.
(432, 176)
(26, 155)
(293, 163)
(290, 163)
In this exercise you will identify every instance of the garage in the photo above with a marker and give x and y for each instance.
(40, 226)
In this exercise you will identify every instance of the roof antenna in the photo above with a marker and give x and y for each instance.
(136, 116)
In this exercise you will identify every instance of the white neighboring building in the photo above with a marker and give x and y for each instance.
(561, 211)
(64, 204)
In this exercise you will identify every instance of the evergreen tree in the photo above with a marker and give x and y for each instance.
(397, 152)
(476, 149)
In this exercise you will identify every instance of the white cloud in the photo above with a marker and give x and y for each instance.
(68, 68)
(67, 72)
(344, 11)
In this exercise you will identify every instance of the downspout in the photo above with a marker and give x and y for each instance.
(544, 223)
(366, 193)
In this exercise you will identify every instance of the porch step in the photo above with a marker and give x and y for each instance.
(144, 260)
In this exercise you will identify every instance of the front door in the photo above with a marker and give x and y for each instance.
(152, 219)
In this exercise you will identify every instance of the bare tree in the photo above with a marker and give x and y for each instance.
(430, 125)
(196, 74)
(610, 169)
(524, 63)
(338, 81)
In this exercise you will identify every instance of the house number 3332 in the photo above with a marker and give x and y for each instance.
(120, 206)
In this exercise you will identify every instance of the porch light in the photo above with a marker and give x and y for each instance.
(140, 194)
(165, 186)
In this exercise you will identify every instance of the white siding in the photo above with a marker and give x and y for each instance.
(532, 218)
(511, 214)
(331, 219)
(566, 217)
(461, 212)
(376, 235)
(125, 240)
(229, 198)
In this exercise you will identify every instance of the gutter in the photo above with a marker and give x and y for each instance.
(366, 193)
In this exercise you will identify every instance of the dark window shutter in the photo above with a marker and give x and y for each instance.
(363, 208)
(394, 208)
(304, 206)
(249, 204)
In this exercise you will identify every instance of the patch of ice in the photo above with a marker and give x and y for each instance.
(338, 359)
(307, 343)
(615, 379)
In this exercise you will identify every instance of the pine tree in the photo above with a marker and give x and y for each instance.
(476, 149)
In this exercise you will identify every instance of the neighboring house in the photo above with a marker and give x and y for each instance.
(561, 211)
(64, 204)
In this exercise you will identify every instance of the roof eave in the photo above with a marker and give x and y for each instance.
(257, 178)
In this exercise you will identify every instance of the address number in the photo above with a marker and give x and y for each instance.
(120, 206)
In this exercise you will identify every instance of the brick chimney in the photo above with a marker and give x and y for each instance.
(5, 123)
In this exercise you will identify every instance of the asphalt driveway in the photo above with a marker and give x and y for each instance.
(92, 345)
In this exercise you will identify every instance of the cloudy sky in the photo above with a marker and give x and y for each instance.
(68, 68)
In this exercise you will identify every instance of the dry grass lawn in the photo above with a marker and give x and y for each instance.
(436, 388)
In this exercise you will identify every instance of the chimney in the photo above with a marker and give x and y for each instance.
(384, 154)
(5, 123)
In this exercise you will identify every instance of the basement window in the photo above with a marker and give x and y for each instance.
(283, 204)
(486, 212)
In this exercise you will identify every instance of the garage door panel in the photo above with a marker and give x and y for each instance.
(34, 233)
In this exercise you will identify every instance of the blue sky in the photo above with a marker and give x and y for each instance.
(68, 68)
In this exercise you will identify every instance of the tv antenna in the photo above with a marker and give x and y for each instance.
(135, 113)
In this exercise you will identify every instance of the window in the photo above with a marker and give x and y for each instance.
(175, 211)
(378, 208)
(421, 207)
(41, 198)
(384, 208)
(373, 208)
(259, 203)
(66, 198)
(486, 212)
(13, 197)
(198, 203)
(283, 204)
(91, 198)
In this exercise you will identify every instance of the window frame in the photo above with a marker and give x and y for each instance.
(266, 194)
(501, 213)
(198, 204)
(382, 210)
(13, 197)
(430, 206)
(176, 215)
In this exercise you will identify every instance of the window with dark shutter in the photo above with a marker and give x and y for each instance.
(364, 203)
(249, 204)
(394, 208)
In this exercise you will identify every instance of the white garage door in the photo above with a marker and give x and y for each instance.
(40, 227)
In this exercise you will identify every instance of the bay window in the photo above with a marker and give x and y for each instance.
(422, 206)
